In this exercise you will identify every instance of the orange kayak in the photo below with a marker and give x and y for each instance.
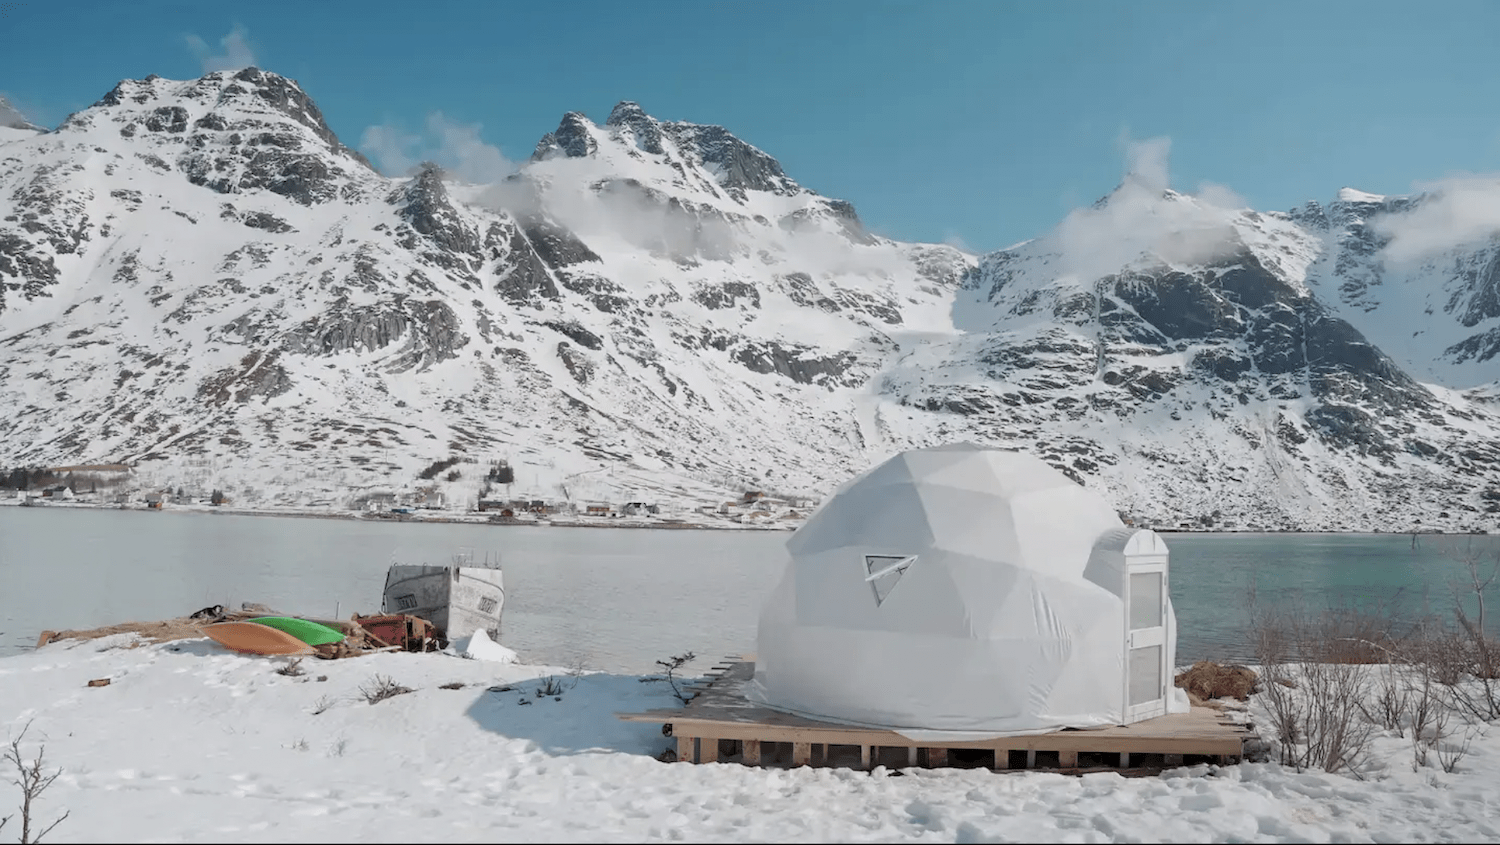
(251, 638)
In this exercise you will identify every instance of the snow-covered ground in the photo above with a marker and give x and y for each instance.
(191, 743)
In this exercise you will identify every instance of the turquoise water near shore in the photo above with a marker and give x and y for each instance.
(618, 599)
(1216, 578)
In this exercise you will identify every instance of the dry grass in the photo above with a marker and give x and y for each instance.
(1207, 680)
(382, 687)
(156, 632)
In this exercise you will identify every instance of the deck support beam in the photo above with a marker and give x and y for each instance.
(721, 723)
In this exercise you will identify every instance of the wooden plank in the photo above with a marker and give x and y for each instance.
(911, 755)
(1124, 759)
(686, 752)
(1031, 758)
(708, 749)
(1067, 759)
(937, 758)
(1225, 743)
(750, 756)
(801, 754)
(864, 756)
(721, 709)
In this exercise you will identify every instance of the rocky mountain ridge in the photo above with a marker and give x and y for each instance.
(200, 278)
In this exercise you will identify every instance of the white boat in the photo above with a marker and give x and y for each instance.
(457, 599)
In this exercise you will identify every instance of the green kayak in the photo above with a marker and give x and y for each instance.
(312, 633)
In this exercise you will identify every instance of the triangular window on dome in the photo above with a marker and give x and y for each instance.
(883, 571)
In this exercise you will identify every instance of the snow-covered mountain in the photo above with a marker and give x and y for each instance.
(200, 278)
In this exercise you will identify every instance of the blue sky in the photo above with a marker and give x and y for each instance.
(981, 123)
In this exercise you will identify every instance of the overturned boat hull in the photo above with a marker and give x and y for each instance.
(457, 600)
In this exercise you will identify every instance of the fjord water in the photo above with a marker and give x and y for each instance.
(617, 599)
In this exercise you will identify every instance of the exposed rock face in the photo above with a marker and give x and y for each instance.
(1438, 311)
(430, 332)
(556, 246)
(571, 138)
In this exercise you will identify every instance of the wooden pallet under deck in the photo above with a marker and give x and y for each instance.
(720, 723)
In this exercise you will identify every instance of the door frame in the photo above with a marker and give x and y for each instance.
(1145, 638)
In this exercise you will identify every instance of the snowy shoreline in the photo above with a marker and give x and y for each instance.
(609, 522)
(479, 750)
(441, 517)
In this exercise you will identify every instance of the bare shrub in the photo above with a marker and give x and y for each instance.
(33, 783)
(1450, 754)
(549, 686)
(321, 705)
(1476, 650)
(381, 687)
(292, 668)
(669, 674)
(1392, 699)
(1316, 705)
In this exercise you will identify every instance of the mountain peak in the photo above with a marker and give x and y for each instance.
(212, 101)
(572, 138)
(1355, 195)
(11, 118)
(627, 118)
(627, 112)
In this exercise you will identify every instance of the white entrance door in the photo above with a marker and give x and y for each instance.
(1146, 670)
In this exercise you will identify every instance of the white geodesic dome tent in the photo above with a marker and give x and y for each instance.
(963, 588)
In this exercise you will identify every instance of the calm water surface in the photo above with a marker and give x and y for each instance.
(612, 599)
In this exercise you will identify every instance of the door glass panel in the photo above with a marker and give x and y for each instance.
(1145, 600)
(1145, 674)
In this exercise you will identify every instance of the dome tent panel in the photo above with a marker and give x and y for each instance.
(968, 522)
(887, 516)
(895, 680)
(831, 591)
(1058, 528)
(947, 589)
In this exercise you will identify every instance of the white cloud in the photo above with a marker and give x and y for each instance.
(456, 147)
(1146, 163)
(1144, 218)
(390, 149)
(1452, 212)
(1220, 196)
(234, 51)
(956, 241)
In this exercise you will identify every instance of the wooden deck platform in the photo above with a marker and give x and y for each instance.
(721, 724)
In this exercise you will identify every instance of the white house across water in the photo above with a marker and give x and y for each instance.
(969, 589)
